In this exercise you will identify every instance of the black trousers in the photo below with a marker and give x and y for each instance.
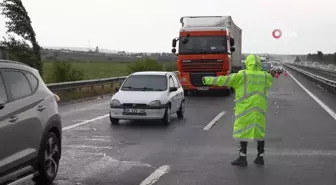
(260, 147)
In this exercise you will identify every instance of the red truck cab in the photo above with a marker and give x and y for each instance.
(203, 51)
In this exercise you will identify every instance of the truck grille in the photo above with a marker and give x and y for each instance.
(202, 65)
(196, 78)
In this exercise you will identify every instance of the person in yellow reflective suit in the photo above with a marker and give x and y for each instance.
(251, 90)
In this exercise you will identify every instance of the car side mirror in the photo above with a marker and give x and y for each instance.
(2, 105)
(116, 89)
(232, 49)
(172, 89)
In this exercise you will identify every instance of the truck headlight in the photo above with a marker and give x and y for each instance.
(115, 103)
(155, 103)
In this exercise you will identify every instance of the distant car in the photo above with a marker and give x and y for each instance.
(277, 67)
(30, 126)
(331, 67)
(148, 95)
(266, 66)
(263, 59)
(243, 64)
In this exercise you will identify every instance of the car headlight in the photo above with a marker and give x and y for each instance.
(115, 103)
(155, 103)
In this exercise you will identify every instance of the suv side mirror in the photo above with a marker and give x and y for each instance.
(116, 89)
(172, 89)
(232, 49)
(232, 42)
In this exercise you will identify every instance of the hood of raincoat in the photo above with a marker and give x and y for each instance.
(252, 62)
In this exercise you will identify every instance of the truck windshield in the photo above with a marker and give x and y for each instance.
(203, 45)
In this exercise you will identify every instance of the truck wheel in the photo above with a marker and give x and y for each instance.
(227, 92)
(187, 93)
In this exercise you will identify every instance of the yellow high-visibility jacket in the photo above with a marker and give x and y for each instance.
(251, 91)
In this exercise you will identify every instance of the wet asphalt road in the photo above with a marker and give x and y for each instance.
(300, 143)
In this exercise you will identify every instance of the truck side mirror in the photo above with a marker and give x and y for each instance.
(232, 42)
(232, 49)
(173, 50)
(174, 43)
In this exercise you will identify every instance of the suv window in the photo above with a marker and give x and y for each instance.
(171, 82)
(17, 83)
(32, 81)
(3, 95)
(176, 81)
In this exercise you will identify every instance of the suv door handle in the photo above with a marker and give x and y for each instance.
(13, 119)
(41, 108)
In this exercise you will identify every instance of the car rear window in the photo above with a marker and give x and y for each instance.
(145, 83)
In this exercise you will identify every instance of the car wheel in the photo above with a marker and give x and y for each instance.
(167, 117)
(114, 121)
(48, 159)
(180, 112)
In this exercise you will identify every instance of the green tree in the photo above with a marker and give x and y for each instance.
(319, 56)
(63, 71)
(309, 57)
(146, 64)
(297, 59)
(19, 23)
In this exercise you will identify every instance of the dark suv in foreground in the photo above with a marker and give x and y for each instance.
(30, 126)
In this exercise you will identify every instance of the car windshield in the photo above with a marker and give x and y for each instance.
(203, 44)
(145, 83)
(265, 65)
(275, 64)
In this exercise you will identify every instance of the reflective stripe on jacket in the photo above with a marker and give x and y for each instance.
(251, 91)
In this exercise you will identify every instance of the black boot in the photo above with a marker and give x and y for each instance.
(241, 160)
(260, 157)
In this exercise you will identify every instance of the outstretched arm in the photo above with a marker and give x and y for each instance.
(229, 80)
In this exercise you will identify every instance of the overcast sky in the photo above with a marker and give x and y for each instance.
(150, 25)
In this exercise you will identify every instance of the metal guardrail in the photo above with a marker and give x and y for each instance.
(320, 67)
(329, 84)
(56, 87)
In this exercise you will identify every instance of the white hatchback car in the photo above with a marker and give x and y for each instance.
(148, 95)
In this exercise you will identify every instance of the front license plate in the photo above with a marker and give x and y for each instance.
(203, 88)
(134, 111)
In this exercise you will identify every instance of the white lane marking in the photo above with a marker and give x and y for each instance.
(88, 146)
(324, 106)
(276, 152)
(155, 176)
(84, 122)
(214, 121)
